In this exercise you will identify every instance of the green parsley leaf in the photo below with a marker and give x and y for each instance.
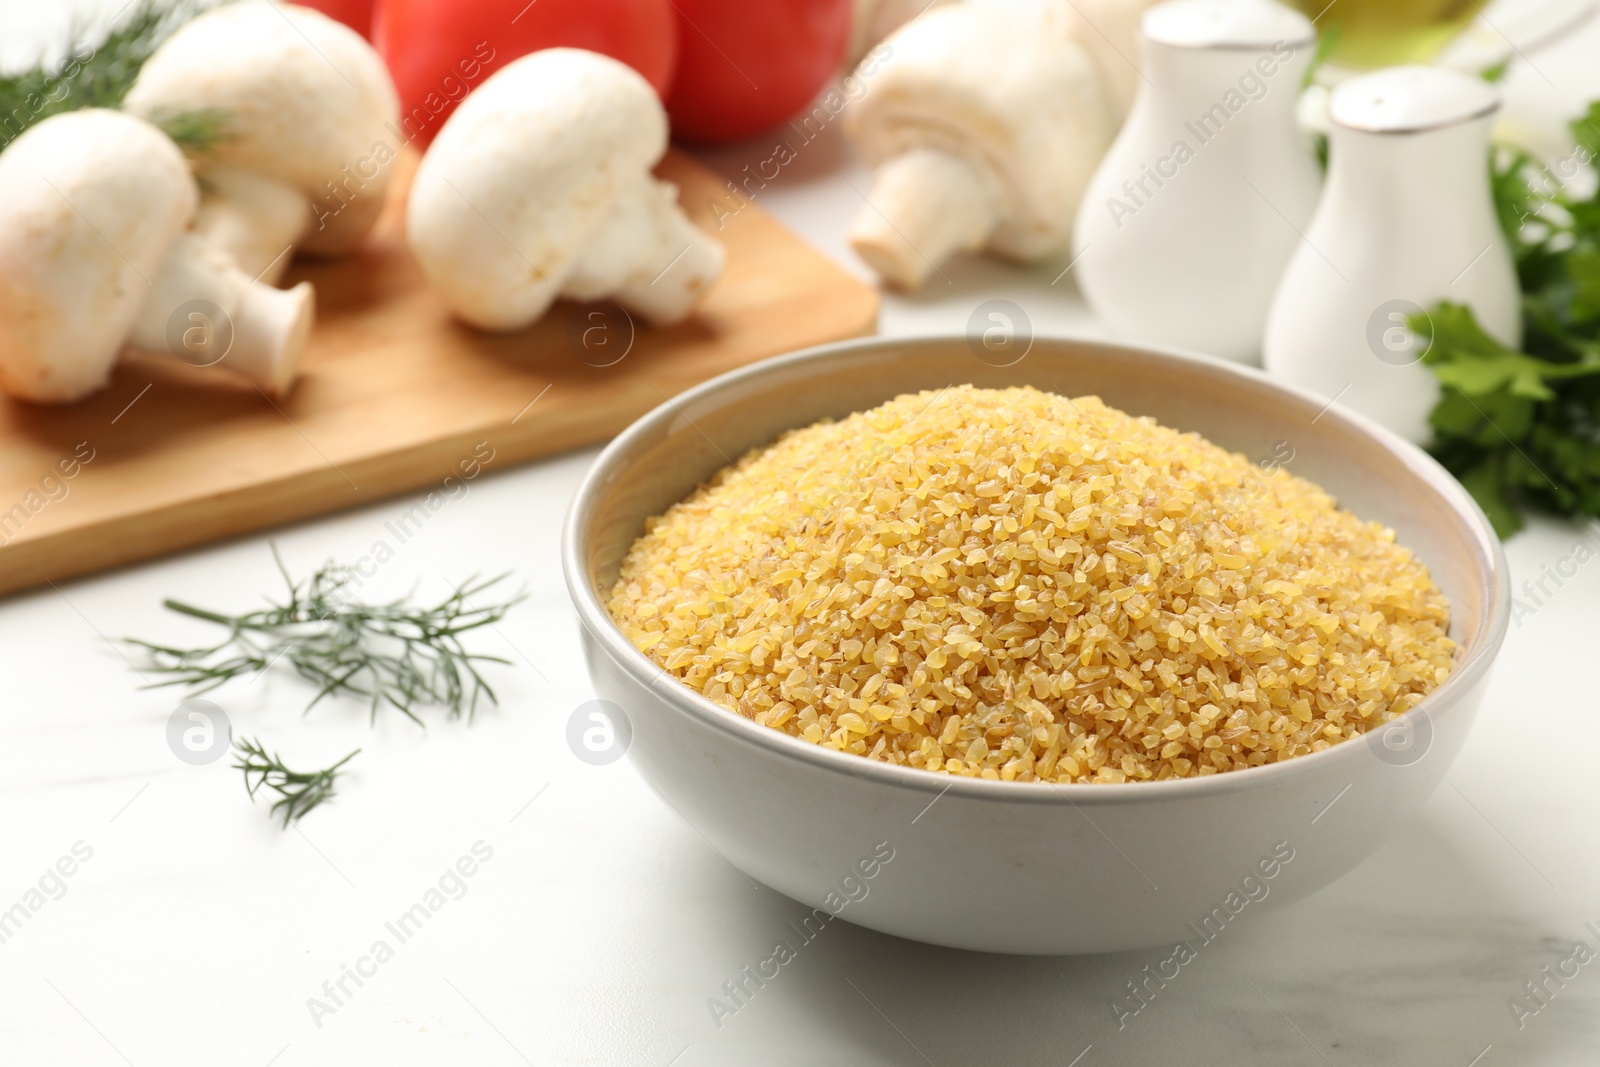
(1521, 428)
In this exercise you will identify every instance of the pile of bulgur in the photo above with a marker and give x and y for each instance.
(1011, 584)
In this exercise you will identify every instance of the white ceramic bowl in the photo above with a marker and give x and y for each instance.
(1028, 867)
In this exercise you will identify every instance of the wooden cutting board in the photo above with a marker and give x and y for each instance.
(394, 396)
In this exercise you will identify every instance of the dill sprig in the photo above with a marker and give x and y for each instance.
(298, 791)
(196, 131)
(398, 653)
(98, 69)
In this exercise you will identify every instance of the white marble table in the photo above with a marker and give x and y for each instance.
(195, 932)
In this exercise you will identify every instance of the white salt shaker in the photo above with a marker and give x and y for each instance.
(1407, 220)
(1192, 215)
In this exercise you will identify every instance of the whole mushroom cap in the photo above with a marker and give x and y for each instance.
(90, 201)
(523, 173)
(300, 97)
(998, 83)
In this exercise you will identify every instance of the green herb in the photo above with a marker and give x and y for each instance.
(197, 131)
(398, 654)
(298, 791)
(1522, 428)
(98, 71)
(1327, 41)
(1512, 181)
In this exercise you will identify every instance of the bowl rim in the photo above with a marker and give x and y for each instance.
(596, 619)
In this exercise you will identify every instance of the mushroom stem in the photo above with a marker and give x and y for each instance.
(669, 294)
(270, 329)
(926, 205)
(204, 310)
(253, 218)
(647, 256)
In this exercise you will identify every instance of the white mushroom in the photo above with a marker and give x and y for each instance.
(95, 255)
(983, 127)
(306, 114)
(873, 20)
(1109, 29)
(539, 186)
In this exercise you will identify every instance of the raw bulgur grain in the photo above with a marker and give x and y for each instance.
(1011, 584)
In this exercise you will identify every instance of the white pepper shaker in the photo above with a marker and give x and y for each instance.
(1187, 225)
(1407, 220)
